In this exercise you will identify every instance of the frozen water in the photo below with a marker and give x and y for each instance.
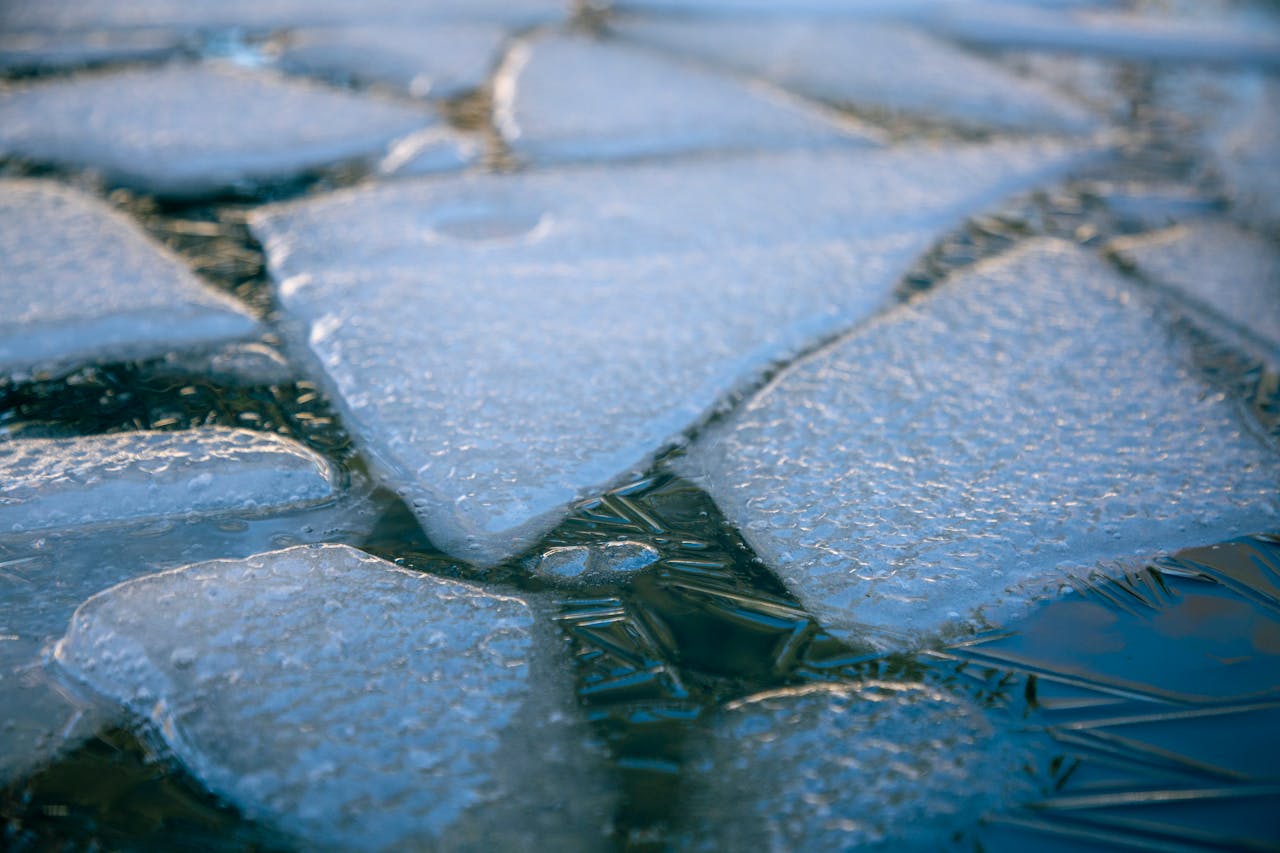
(42, 50)
(881, 765)
(1220, 268)
(1246, 154)
(263, 15)
(866, 64)
(828, 8)
(606, 561)
(351, 702)
(44, 576)
(1119, 34)
(1156, 205)
(191, 130)
(558, 98)
(503, 345)
(1036, 413)
(48, 483)
(82, 282)
(436, 60)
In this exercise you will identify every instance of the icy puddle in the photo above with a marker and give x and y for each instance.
(825, 425)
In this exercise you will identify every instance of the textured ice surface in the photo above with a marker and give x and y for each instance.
(1033, 414)
(827, 8)
(1246, 153)
(561, 98)
(606, 561)
(1220, 268)
(437, 60)
(45, 576)
(502, 345)
(352, 702)
(882, 66)
(50, 483)
(41, 50)
(81, 281)
(262, 15)
(190, 130)
(883, 765)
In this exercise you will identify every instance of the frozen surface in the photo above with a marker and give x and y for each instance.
(865, 64)
(352, 702)
(48, 483)
(1246, 153)
(1219, 268)
(503, 345)
(882, 765)
(41, 50)
(560, 98)
(45, 576)
(192, 129)
(437, 60)
(606, 561)
(82, 282)
(1033, 414)
(262, 15)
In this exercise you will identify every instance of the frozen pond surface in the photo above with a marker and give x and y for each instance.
(822, 425)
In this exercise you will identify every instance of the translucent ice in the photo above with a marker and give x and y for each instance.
(437, 60)
(882, 66)
(82, 282)
(351, 702)
(605, 561)
(882, 765)
(48, 483)
(43, 50)
(190, 130)
(558, 98)
(502, 345)
(1219, 267)
(1035, 413)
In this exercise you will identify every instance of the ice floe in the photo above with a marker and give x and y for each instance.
(435, 60)
(881, 765)
(187, 130)
(82, 282)
(872, 66)
(561, 98)
(49, 483)
(1222, 269)
(351, 702)
(503, 345)
(1036, 413)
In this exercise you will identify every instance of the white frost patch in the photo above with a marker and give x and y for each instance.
(563, 98)
(351, 702)
(438, 61)
(1033, 414)
(48, 483)
(868, 64)
(504, 345)
(82, 282)
(880, 766)
(1220, 268)
(191, 129)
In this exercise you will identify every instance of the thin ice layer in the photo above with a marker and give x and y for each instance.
(1219, 267)
(558, 99)
(82, 282)
(440, 60)
(871, 65)
(881, 765)
(351, 702)
(192, 130)
(48, 483)
(502, 346)
(1035, 413)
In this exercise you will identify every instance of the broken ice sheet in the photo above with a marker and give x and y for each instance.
(1035, 413)
(879, 765)
(45, 575)
(1219, 268)
(557, 99)
(503, 345)
(351, 702)
(871, 65)
(437, 60)
(81, 282)
(189, 130)
(48, 483)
